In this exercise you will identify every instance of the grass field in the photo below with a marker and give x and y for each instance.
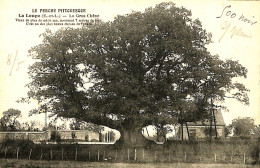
(217, 152)
(8, 163)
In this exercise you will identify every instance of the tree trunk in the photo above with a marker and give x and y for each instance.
(181, 131)
(157, 134)
(214, 118)
(147, 132)
(131, 136)
(211, 113)
(188, 133)
(210, 127)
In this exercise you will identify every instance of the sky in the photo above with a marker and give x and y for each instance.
(234, 26)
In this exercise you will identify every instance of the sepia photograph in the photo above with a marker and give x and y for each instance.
(148, 83)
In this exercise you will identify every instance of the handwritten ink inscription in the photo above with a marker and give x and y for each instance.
(234, 30)
(14, 62)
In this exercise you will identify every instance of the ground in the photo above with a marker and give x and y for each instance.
(4, 163)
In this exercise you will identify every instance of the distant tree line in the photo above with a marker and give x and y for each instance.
(11, 121)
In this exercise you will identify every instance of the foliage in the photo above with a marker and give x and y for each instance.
(243, 126)
(55, 136)
(52, 125)
(30, 126)
(81, 125)
(87, 138)
(228, 130)
(195, 151)
(161, 132)
(112, 136)
(9, 120)
(75, 125)
(137, 70)
(101, 137)
(21, 143)
(257, 131)
(207, 131)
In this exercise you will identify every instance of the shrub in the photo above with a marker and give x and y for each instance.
(55, 136)
(87, 138)
(12, 145)
(101, 137)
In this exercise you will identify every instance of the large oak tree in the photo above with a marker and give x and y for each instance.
(139, 69)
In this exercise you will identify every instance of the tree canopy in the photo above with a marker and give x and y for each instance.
(243, 126)
(9, 120)
(139, 69)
